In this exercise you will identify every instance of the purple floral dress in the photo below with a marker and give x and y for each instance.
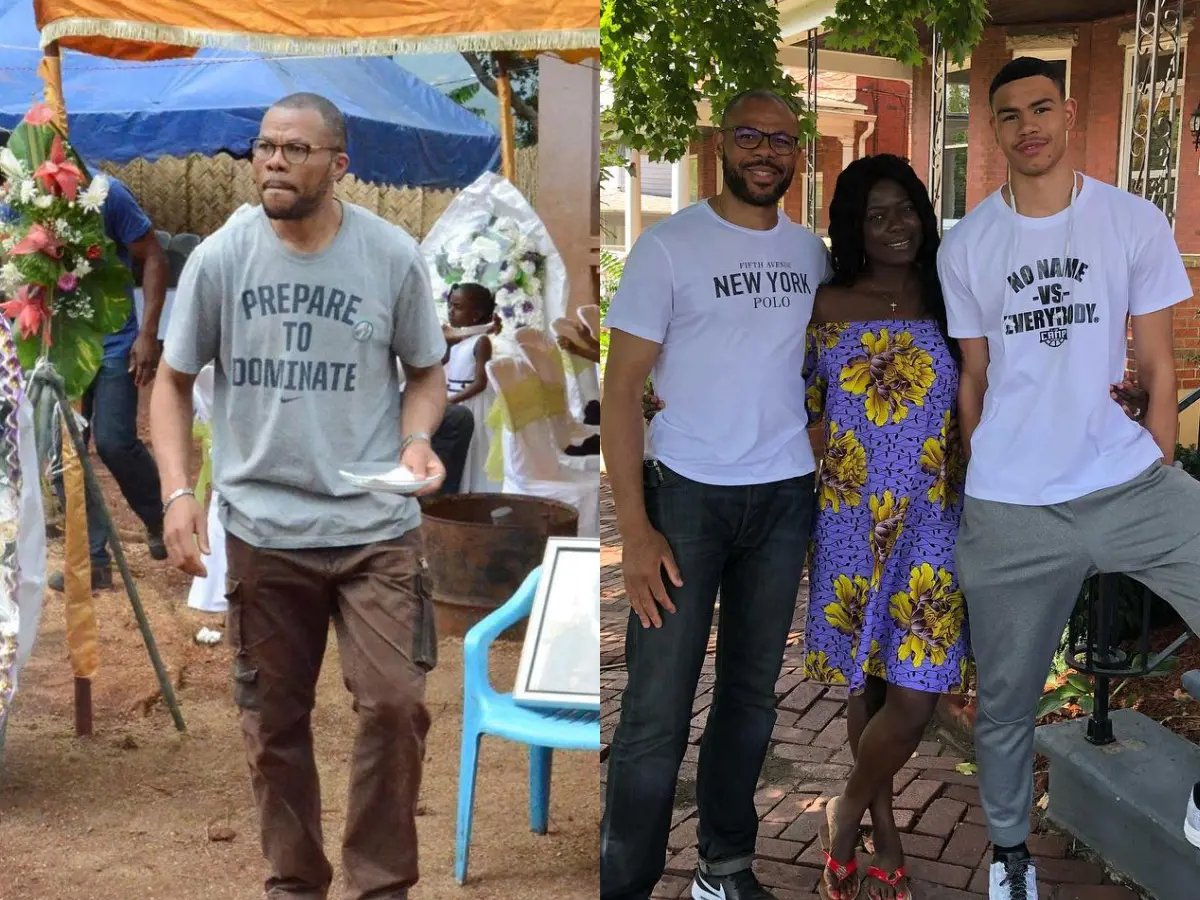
(884, 599)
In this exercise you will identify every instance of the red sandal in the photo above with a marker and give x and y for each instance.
(841, 872)
(891, 880)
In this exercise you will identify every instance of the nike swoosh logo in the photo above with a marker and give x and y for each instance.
(702, 890)
(289, 399)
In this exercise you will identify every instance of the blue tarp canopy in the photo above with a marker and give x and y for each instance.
(402, 130)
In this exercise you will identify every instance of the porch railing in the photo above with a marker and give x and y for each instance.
(1095, 652)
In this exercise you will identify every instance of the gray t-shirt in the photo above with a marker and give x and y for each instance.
(306, 382)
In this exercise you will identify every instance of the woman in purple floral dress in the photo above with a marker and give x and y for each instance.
(886, 617)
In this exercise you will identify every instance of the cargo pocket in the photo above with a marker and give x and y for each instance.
(245, 675)
(425, 644)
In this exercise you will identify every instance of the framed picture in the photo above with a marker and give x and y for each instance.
(560, 661)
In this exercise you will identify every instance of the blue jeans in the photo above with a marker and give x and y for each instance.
(748, 542)
(110, 406)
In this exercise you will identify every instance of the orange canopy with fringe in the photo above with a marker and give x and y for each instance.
(167, 29)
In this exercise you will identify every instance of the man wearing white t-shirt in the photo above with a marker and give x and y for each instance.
(1039, 281)
(715, 302)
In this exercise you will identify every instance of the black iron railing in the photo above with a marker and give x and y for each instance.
(1091, 644)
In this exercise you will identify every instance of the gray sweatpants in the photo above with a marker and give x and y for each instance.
(1021, 568)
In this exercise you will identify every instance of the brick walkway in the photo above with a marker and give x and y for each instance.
(937, 807)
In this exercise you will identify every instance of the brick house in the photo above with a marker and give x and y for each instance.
(938, 116)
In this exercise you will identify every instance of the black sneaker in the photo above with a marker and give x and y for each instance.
(102, 580)
(738, 886)
(154, 540)
(1014, 878)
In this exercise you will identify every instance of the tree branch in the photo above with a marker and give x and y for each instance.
(519, 105)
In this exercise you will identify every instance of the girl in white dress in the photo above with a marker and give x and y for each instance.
(472, 306)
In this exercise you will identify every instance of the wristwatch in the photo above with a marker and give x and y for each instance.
(413, 438)
(175, 495)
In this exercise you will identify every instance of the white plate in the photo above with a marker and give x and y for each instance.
(470, 331)
(389, 478)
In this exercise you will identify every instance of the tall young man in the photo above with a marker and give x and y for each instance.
(1040, 280)
(715, 301)
(305, 303)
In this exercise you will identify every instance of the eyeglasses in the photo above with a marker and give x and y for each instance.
(296, 154)
(751, 139)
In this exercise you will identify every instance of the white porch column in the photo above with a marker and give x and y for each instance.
(633, 200)
(681, 183)
(847, 152)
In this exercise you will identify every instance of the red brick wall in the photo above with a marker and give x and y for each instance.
(1187, 337)
(706, 166)
(829, 163)
(891, 102)
(922, 90)
(986, 168)
(1105, 91)
(1187, 206)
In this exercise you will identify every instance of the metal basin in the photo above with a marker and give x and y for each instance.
(475, 564)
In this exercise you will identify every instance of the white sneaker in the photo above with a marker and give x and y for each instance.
(1191, 821)
(1015, 879)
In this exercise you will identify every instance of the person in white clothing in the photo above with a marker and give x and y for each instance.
(1040, 281)
(715, 300)
(23, 544)
(472, 306)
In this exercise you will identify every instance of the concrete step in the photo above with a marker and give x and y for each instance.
(1127, 800)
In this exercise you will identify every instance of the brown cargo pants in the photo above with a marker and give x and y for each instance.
(280, 605)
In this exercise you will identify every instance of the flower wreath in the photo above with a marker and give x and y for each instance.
(506, 262)
(64, 285)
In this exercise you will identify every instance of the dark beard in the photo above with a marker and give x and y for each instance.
(739, 188)
(301, 207)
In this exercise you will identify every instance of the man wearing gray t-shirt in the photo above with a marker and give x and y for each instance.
(305, 303)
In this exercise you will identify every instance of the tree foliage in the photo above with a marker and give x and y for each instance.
(523, 75)
(891, 27)
(666, 56)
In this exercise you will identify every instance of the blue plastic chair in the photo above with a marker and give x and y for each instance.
(487, 712)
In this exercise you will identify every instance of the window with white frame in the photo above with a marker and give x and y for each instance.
(1060, 57)
(954, 152)
(1164, 143)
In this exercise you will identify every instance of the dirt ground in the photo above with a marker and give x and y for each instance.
(129, 813)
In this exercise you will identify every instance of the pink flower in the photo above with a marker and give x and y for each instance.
(40, 239)
(68, 281)
(40, 114)
(28, 310)
(58, 174)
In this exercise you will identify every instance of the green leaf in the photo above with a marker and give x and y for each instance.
(77, 352)
(1081, 683)
(1052, 702)
(1086, 704)
(966, 768)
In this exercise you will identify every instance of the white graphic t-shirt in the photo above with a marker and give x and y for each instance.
(730, 306)
(1052, 296)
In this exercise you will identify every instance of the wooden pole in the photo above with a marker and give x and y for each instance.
(508, 136)
(77, 567)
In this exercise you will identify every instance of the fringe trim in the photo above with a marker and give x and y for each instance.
(150, 33)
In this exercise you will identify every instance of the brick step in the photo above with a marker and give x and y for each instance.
(1127, 800)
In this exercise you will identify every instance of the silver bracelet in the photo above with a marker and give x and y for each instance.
(175, 495)
(412, 439)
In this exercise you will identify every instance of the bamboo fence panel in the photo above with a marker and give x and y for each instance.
(197, 194)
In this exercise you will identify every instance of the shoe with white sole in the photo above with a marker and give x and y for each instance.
(1013, 879)
(738, 886)
(1191, 821)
